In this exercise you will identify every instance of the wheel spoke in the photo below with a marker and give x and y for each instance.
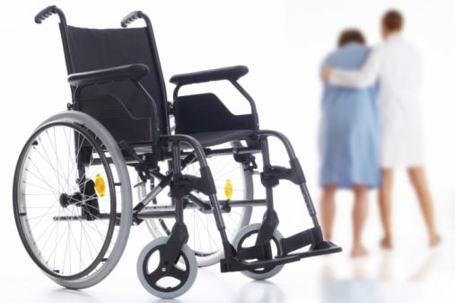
(154, 277)
(178, 274)
(42, 178)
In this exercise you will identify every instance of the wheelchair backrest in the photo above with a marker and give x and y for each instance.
(120, 106)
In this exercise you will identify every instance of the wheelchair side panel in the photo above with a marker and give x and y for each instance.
(206, 113)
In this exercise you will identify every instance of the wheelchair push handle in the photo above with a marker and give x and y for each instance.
(49, 11)
(131, 17)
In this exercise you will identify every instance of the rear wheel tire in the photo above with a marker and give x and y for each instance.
(74, 230)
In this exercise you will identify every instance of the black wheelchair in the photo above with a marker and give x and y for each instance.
(72, 191)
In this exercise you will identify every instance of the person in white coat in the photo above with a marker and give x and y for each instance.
(396, 66)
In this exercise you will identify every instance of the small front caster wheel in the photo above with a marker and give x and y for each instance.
(161, 281)
(246, 237)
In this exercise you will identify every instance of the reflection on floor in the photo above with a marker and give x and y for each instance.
(383, 277)
(411, 273)
(391, 280)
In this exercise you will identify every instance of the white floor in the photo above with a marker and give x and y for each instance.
(384, 277)
(411, 273)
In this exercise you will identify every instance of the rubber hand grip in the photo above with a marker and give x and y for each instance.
(45, 13)
(130, 18)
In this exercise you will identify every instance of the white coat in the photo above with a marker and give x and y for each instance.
(396, 66)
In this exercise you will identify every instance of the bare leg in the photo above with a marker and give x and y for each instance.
(359, 215)
(328, 210)
(419, 183)
(385, 207)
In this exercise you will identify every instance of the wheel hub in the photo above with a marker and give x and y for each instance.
(67, 200)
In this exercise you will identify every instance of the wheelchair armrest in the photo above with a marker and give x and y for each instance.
(232, 73)
(132, 72)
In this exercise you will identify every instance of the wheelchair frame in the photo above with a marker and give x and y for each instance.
(166, 146)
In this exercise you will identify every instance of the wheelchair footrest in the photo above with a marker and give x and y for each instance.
(301, 239)
(235, 264)
(322, 248)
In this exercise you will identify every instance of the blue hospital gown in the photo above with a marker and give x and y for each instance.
(349, 130)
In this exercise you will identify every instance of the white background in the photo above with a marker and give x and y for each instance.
(283, 43)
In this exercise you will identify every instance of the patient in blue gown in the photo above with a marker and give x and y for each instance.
(349, 138)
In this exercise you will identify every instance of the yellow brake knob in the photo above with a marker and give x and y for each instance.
(228, 189)
(100, 185)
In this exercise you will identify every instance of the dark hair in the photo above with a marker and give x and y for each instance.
(350, 35)
(393, 20)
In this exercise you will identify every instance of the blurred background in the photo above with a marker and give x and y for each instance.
(283, 44)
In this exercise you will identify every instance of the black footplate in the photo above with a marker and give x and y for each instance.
(323, 248)
(235, 264)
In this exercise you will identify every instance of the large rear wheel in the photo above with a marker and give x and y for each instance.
(72, 200)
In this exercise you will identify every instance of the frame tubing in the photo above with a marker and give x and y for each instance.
(178, 202)
(266, 160)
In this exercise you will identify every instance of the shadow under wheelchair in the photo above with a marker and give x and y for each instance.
(386, 278)
(64, 295)
(260, 292)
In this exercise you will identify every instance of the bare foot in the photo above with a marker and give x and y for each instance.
(435, 240)
(359, 251)
(386, 243)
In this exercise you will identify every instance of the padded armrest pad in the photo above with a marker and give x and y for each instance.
(119, 73)
(232, 73)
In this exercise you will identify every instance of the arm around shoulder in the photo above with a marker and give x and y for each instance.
(362, 78)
